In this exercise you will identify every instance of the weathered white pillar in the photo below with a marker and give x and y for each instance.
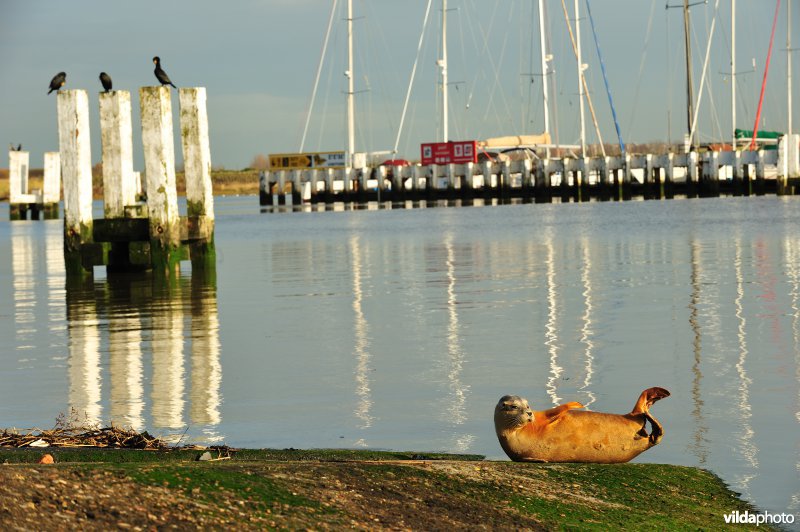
(159, 162)
(18, 170)
(116, 133)
(788, 163)
(691, 167)
(506, 171)
(51, 187)
(417, 175)
(76, 170)
(196, 153)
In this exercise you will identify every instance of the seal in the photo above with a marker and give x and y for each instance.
(565, 434)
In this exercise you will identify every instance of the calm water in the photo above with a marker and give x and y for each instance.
(400, 329)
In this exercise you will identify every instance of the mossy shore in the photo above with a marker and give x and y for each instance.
(255, 489)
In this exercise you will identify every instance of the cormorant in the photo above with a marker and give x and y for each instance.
(57, 82)
(19, 147)
(105, 79)
(160, 74)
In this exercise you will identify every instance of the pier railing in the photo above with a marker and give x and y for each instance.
(648, 175)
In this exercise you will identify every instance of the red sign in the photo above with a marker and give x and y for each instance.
(450, 152)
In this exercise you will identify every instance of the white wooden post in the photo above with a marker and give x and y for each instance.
(116, 133)
(18, 169)
(159, 161)
(51, 187)
(196, 153)
(76, 170)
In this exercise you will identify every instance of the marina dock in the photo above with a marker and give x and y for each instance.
(650, 176)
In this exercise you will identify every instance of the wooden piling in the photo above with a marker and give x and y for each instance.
(76, 170)
(159, 160)
(116, 133)
(197, 172)
(51, 186)
(788, 164)
(19, 200)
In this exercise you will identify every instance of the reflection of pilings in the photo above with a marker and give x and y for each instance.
(586, 330)
(168, 370)
(361, 329)
(551, 327)
(125, 354)
(699, 445)
(84, 351)
(24, 282)
(206, 368)
(54, 264)
(456, 413)
(791, 261)
(747, 447)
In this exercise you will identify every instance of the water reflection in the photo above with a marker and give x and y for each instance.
(456, 412)
(551, 327)
(699, 445)
(747, 447)
(361, 346)
(792, 261)
(119, 325)
(586, 329)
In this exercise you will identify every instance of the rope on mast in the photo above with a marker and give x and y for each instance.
(605, 80)
(764, 81)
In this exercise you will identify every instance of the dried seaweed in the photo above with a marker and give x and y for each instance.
(72, 431)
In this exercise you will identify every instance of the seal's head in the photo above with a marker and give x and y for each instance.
(511, 412)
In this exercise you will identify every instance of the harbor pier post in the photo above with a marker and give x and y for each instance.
(788, 164)
(264, 194)
(761, 172)
(691, 174)
(51, 185)
(19, 201)
(116, 133)
(162, 197)
(76, 169)
(197, 172)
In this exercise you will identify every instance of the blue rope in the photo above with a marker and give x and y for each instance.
(605, 79)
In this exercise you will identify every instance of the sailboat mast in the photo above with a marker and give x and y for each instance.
(689, 83)
(733, 74)
(543, 48)
(789, 62)
(443, 65)
(580, 79)
(351, 112)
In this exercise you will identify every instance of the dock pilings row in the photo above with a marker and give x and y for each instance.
(140, 229)
(571, 179)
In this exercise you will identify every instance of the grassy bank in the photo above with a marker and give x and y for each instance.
(365, 490)
(225, 182)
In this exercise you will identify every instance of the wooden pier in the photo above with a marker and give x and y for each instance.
(136, 235)
(22, 200)
(569, 179)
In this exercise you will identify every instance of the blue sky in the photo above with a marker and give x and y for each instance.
(258, 59)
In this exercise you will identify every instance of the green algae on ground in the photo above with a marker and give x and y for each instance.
(378, 489)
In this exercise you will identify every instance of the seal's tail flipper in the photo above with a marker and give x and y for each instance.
(648, 397)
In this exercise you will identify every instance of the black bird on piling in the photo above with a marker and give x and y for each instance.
(105, 79)
(57, 82)
(160, 74)
(19, 147)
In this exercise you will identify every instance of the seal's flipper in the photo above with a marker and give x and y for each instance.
(648, 397)
(554, 413)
